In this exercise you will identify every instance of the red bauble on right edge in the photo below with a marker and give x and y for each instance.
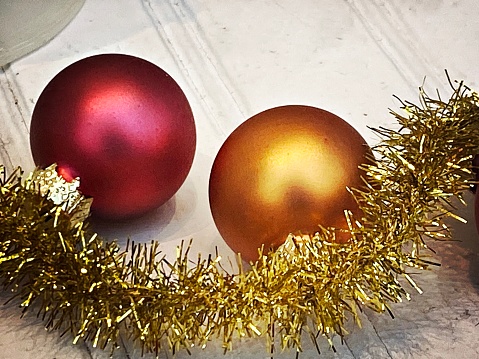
(476, 210)
(285, 171)
(475, 169)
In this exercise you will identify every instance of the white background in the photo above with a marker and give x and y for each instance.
(233, 59)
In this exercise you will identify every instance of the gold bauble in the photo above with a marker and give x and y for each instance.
(285, 170)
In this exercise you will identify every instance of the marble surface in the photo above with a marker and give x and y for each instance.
(233, 59)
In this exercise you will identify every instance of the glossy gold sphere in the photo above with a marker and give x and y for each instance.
(285, 170)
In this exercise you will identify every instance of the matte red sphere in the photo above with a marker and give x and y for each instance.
(475, 169)
(476, 210)
(122, 125)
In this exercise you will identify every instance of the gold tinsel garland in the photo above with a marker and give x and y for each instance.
(78, 282)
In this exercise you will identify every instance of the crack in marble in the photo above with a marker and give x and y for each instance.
(393, 37)
(18, 100)
(199, 64)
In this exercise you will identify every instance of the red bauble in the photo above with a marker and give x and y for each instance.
(475, 169)
(122, 125)
(476, 210)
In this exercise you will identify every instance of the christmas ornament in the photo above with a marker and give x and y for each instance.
(286, 170)
(123, 126)
(476, 210)
(475, 170)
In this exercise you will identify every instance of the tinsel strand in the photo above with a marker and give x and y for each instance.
(78, 282)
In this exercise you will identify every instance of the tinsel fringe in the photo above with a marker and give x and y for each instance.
(81, 283)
